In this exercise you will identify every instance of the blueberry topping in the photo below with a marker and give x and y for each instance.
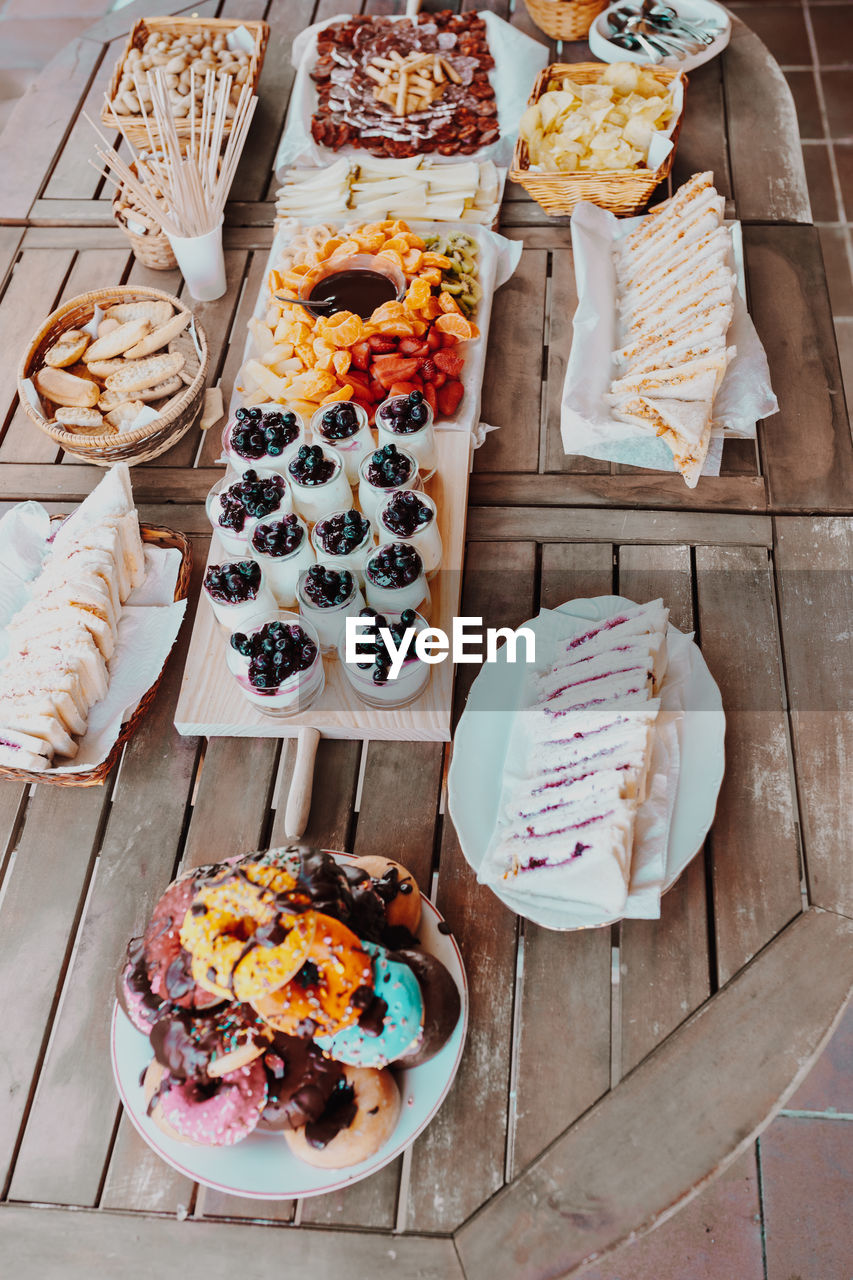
(266, 434)
(233, 583)
(327, 588)
(276, 652)
(405, 414)
(388, 468)
(371, 644)
(250, 498)
(395, 565)
(278, 537)
(311, 466)
(342, 533)
(405, 513)
(339, 422)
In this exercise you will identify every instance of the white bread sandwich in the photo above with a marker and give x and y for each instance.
(23, 751)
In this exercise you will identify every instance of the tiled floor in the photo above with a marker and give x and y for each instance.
(784, 1210)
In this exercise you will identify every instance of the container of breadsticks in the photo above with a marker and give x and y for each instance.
(147, 238)
(116, 375)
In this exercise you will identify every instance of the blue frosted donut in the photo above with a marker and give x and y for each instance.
(382, 1034)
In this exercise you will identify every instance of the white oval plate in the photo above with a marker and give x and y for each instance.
(475, 778)
(691, 10)
(262, 1166)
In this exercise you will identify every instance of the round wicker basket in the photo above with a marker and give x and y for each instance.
(565, 19)
(143, 443)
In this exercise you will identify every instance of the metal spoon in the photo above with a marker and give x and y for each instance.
(634, 25)
(671, 42)
(313, 306)
(664, 17)
(620, 25)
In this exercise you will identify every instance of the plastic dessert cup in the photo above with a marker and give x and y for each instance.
(329, 541)
(400, 518)
(299, 688)
(236, 600)
(286, 437)
(328, 619)
(371, 496)
(319, 492)
(236, 541)
(373, 685)
(417, 439)
(282, 555)
(394, 579)
(353, 446)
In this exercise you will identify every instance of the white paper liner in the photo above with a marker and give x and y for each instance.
(496, 261)
(586, 422)
(518, 61)
(148, 626)
(649, 871)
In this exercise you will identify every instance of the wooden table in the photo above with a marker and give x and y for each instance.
(609, 1074)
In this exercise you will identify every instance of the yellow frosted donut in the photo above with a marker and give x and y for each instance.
(244, 933)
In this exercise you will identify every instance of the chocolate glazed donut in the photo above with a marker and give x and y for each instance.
(442, 1005)
(300, 1082)
(169, 967)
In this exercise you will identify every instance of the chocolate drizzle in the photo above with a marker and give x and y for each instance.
(340, 1111)
(187, 1046)
(300, 1081)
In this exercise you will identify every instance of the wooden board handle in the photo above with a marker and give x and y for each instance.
(299, 796)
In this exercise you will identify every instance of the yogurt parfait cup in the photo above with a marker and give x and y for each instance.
(394, 579)
(326, 598)
(412, 517)
(371, 677)
(382, 473)
(278, 664)
(238, 593)
(262, 439)
(344, 426)
(234, 507)
(283, 549)
(407, 421)
(318, 482)
(343, 540)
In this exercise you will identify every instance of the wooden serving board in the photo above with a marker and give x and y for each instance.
(212, 704)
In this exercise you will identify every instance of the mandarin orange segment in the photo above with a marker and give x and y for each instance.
(417, 294)
(341, 361)
(343, 393)
(448, 303)
(453, 323)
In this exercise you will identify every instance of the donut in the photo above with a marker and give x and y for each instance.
(397, 889)
(330, 991)
(358, 1120)
(389, 1025)
(205, 1046)
(213, 1113)
(168, 965)
(442, 1005)
(246, 933)
(300, 1081)
(133, 989)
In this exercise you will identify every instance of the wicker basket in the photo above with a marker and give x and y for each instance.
(625, 191)
(134, 126)
(150, 245)
(156, 537)
(565, 19)
(143, 443)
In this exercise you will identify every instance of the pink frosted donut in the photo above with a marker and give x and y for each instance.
(134, 990)
(216, 1113)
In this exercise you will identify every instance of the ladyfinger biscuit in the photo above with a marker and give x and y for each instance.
(146, 372)
(117, 342)
(151, 309)
(67, 350)
(64, 389)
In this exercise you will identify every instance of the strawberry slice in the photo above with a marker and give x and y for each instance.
(413, 347)
(360, 353)
(450, 363)
(378, 344)
(430, 396)
(450, 397)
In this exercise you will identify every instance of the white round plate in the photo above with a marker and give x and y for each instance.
(482, 737)
(691, 11)
(262, 1166)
